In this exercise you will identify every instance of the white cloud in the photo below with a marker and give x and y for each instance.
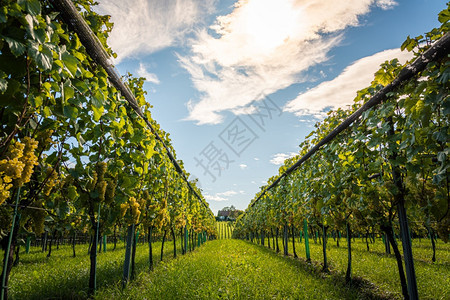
(243, 166)
(227, 193)
(263, 46)
(150, 77)
(341, 91)
(386, 4)
(145, 26)
(214, 198)
(279, 158)
(223, 196)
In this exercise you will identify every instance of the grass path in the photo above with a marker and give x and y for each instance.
(64, 277)
(433, 279)
(232, 269)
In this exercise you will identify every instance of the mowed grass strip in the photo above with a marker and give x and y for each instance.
(433, 279)
(62, 276)
(232, 269)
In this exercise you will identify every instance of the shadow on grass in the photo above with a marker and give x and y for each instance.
(69, 276)
(359, 286)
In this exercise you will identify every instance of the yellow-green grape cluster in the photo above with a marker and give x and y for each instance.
(38, 217)
(101, 170)
(133, 204)
(101, 189)
(101, 183)
(52, 180)
(45, 139)
(76, 222)
(110, 192)
(123, 209)
(135, 212)
(29, 159)
(180, 222)
(11, 168)
(72, 193)
(162, 218)
(5, 186)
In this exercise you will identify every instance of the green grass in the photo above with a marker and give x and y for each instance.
(224, 230)
(433, 279)
(232, 269)
(62, 276)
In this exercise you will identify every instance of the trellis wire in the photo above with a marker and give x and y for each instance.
(437, 51)
(94, 48)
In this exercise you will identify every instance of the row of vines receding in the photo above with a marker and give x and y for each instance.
(74, 157)
(397, 151)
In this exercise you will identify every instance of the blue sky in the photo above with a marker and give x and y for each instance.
(239, 84)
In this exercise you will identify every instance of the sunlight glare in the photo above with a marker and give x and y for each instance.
(270, 23)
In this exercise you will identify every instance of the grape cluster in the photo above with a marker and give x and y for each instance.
(29, 159)
(123, 209)
(135, 212)
(72, 192)
(45, 139)
(133, 205)
(17, 166)
(52, 180)
(110, 193)
(38, 217)
(101, 182)
(162, 218)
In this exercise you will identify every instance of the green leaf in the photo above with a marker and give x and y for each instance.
(383, 77)
(149, 151)
(98, 98)
(47, 112)
(138, 170)
(98, 111)
(80, 85)
(446, 107)
(80, 139)
(70, 62)
(40, 35)
(33, 7)
(444, 16)
(441, 156)
(16, 47)
(42, 55)
(69, 92)
(35, 101)
(33, 124)
(71, 112)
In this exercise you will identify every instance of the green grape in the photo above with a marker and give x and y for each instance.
(101, 170)
(52, 180)
(101, 189)
(110, 192)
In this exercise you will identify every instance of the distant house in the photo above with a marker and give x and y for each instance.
(223, 215)
(228, 214)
